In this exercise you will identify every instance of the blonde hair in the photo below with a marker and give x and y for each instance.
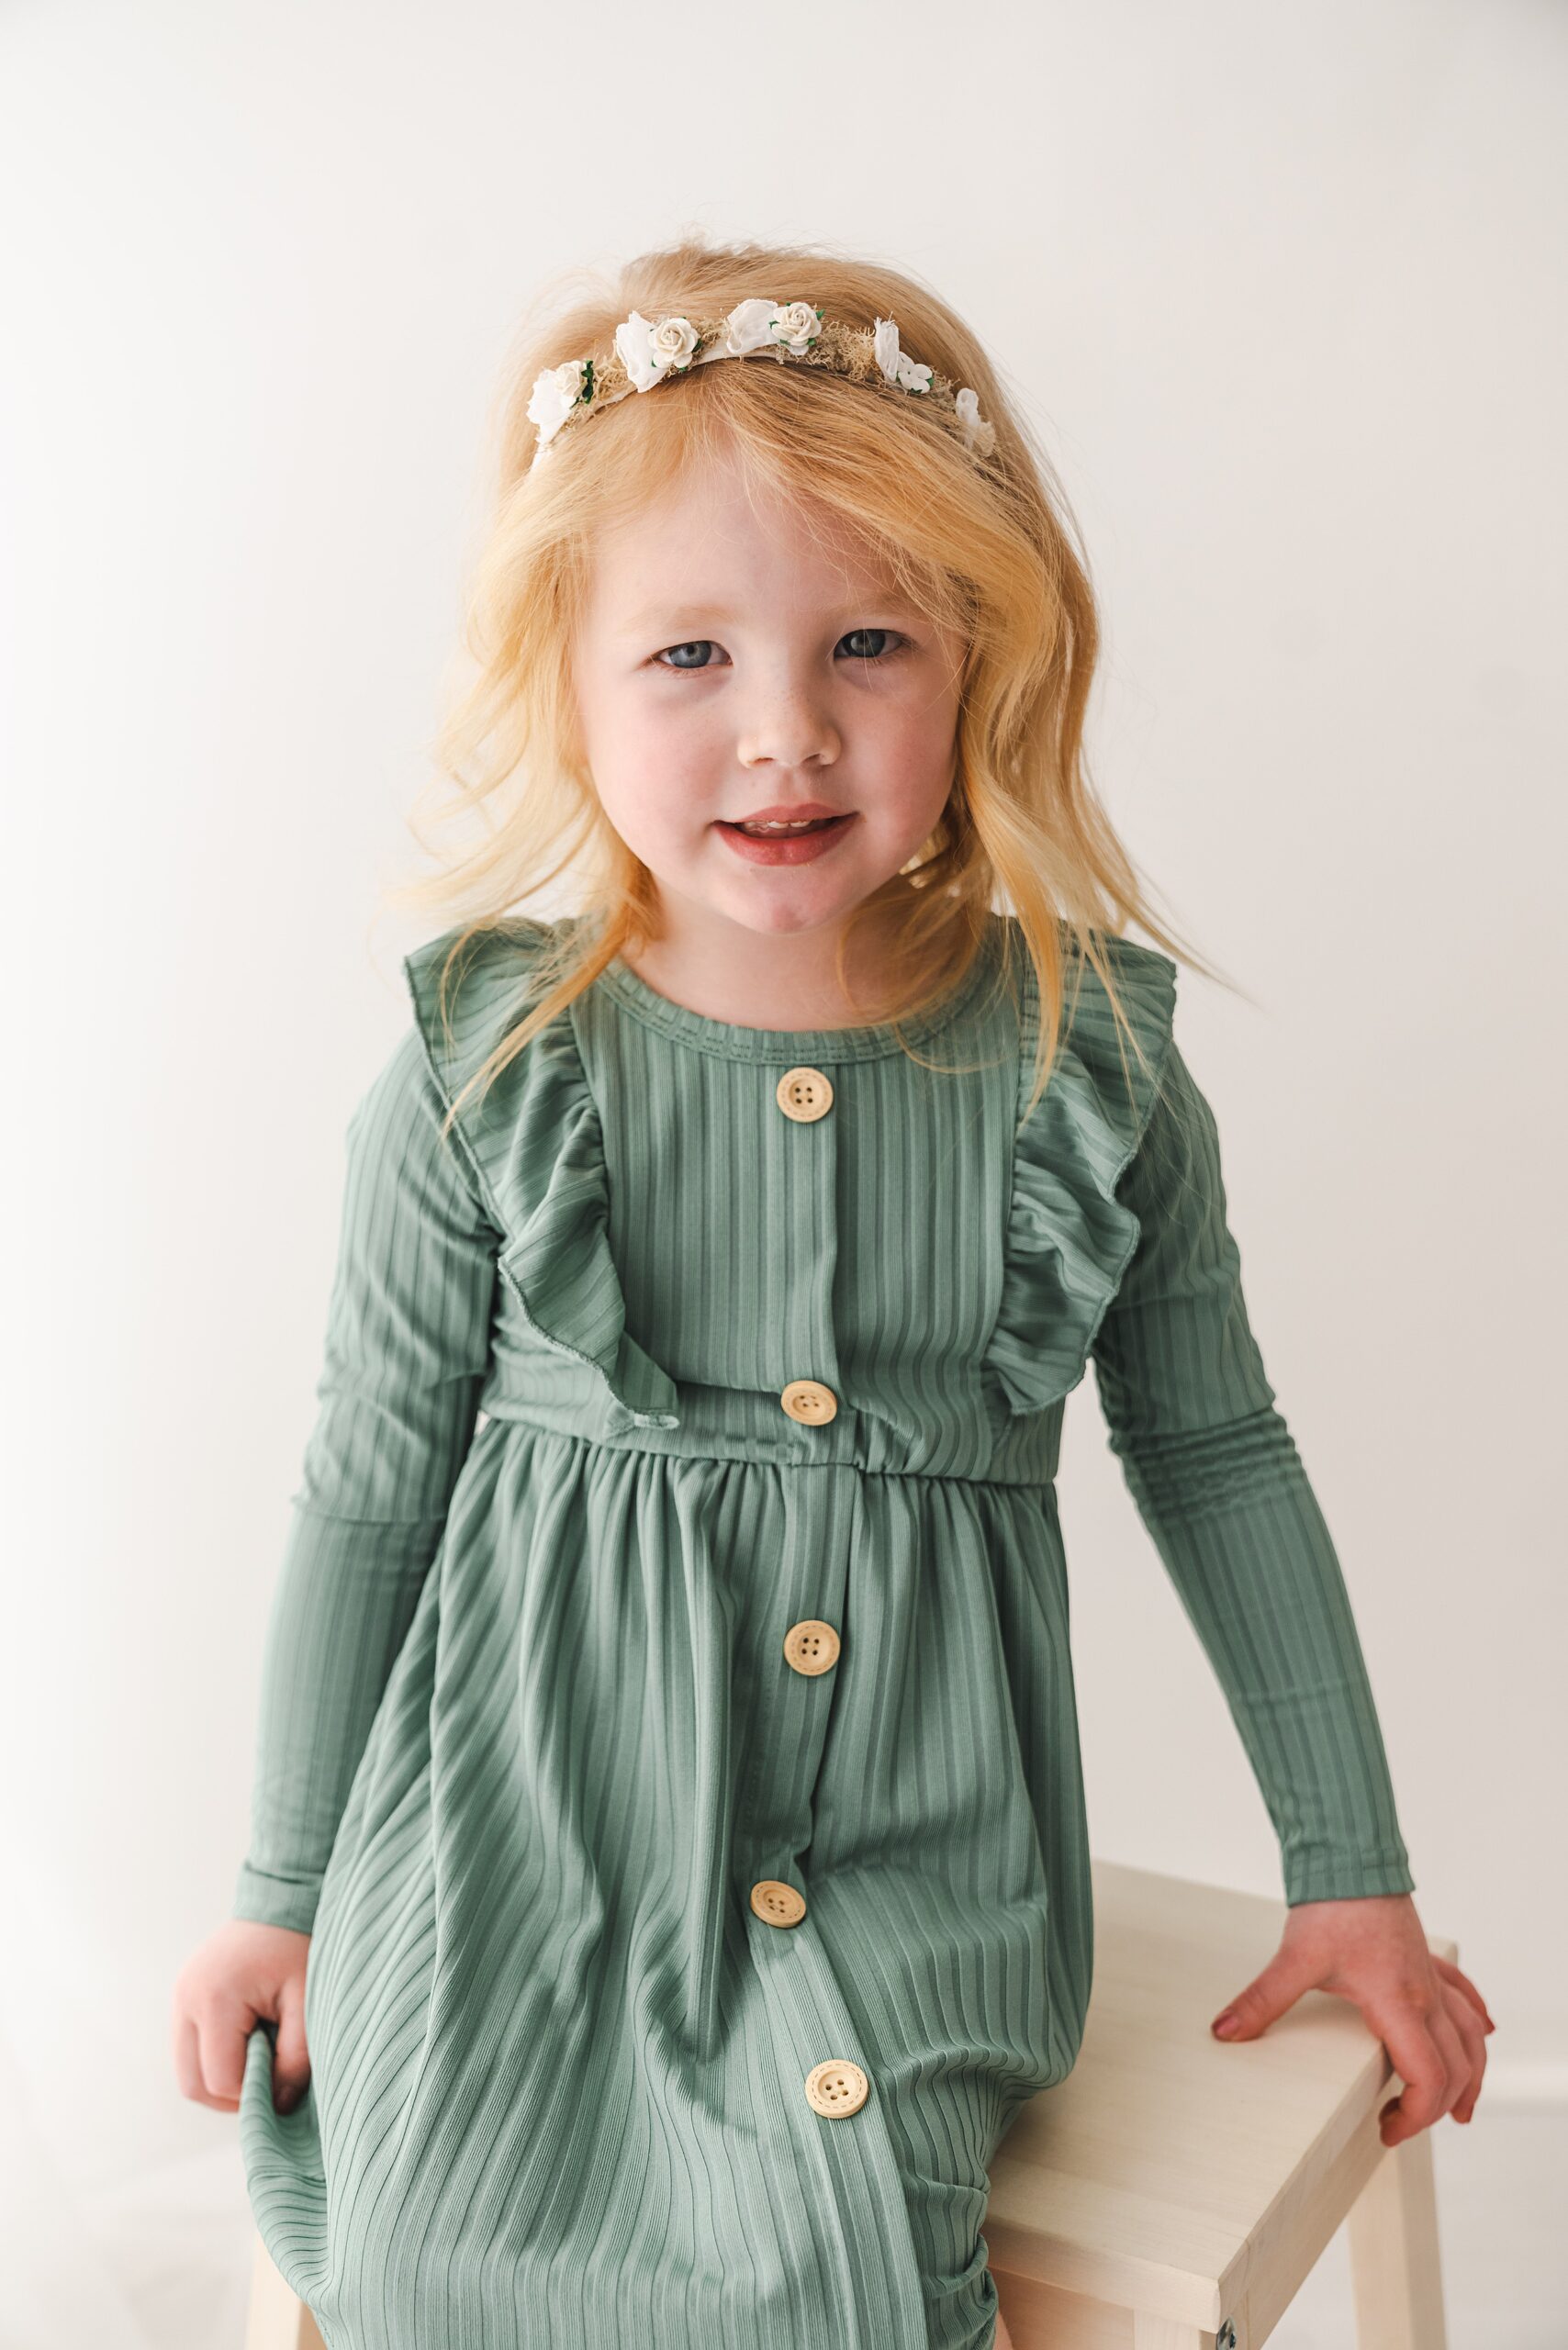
(985, 550)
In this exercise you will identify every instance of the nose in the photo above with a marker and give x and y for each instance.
(787, 727)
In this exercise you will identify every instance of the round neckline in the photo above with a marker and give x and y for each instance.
(730, 1041)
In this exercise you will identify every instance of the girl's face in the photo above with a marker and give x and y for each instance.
(733, 664)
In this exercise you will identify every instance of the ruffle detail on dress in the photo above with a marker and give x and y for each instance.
(534, 1147)
(1069, 1236)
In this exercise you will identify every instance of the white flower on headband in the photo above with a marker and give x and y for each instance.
(796, 327)
(896, 365)
(755, 324)
(648, 350)
(556, 392)
(750, 325)
(977, 434)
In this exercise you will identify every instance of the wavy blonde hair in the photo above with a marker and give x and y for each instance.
(984, 550)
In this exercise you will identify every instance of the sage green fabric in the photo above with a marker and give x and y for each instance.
(528, 1735)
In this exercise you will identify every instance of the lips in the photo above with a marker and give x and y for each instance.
(789, 845)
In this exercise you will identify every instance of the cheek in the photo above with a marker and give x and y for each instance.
(655, 773)
(917, 751)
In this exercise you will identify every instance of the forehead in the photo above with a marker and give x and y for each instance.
(715, 540)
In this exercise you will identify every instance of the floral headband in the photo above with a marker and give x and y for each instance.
(648, 349)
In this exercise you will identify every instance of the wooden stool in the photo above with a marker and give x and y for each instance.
(278, 2319)
(1174, 2190)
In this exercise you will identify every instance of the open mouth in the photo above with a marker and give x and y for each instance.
(785, 831)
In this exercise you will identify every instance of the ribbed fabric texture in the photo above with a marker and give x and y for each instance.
(531, 1733)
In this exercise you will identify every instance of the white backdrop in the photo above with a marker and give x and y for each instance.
(1283, 287)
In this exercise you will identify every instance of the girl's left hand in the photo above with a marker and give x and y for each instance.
(1430, 2018)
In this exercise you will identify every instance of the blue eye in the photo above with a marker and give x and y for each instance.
(697, 645)
(892, 646)
(888, 632)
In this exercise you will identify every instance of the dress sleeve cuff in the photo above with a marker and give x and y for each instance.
(276, 1900)
(1348, 1879)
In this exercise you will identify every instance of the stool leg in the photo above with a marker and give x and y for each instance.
(1165, 2334)
(1395, 2268)
(278, 2319)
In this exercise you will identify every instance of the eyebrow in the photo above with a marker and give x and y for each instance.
(676, 615)
(654, 616)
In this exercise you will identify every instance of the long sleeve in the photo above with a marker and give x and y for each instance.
(1218, 1482)
(407, 1348)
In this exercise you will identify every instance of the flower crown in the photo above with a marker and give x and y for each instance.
(648, 349)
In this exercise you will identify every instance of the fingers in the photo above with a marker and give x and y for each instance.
(1437, 2046)
(1451, 2048)
(1471, 2032)
(245, 1976)
(291, 2060)
(1406, 2031)
(1462, 1982)
(222, 2029)
(190, 2069)
(210, 2032)
(1292, 1970)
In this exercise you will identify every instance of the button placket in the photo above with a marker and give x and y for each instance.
(836, 2086)
(805, 1094)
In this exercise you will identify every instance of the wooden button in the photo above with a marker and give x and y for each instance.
(836, 2086)
(775, 1903)
(809, 1402)
(811, 1646)
(804, 1094)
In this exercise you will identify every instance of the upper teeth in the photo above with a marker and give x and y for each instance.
(798, 824)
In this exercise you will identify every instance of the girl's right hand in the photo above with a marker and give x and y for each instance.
(241, 1974)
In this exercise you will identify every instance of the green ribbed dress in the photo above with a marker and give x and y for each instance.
(682, 1787)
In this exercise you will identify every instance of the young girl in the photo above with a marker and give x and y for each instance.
(669, 1873)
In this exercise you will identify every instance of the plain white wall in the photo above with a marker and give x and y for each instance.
(1283, 289)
